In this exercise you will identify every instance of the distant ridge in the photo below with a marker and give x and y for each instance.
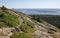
(40, 11)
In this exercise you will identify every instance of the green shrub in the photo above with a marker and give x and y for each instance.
(27, 26)
(21, 35)
(9, 19)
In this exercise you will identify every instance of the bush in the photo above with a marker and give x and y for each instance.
(21, 35)
(3, 8)
(9, 19)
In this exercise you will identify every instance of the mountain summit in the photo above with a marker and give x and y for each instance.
(18, 25)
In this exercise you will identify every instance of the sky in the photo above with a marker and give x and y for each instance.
(30, 3)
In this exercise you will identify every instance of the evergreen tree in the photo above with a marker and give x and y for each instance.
(3, 8)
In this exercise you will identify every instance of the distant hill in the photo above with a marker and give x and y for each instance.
(40, 11)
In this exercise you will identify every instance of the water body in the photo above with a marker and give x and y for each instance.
(40, 11)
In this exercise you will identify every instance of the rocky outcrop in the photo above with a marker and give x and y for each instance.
(6, 31)
(4, 37)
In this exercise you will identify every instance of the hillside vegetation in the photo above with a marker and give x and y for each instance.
(8, 20)
(18, 25)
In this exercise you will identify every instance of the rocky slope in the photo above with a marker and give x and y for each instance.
(18, 25)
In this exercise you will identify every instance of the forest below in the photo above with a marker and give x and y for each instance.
(51, 19)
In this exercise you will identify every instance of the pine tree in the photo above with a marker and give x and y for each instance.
(3, 8)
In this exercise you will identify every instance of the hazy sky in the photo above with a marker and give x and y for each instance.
(30, 3)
